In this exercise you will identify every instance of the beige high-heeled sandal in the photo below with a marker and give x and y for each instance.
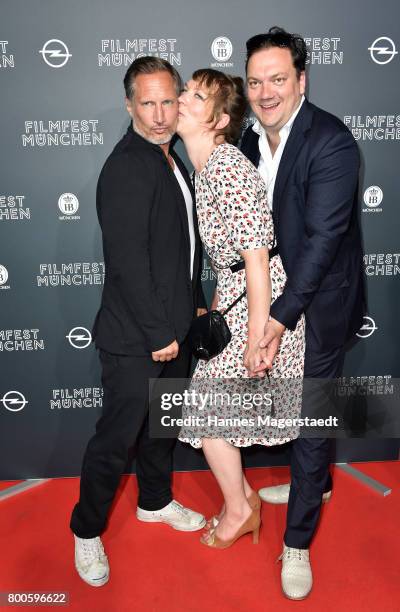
(251, 525)
(254, 502)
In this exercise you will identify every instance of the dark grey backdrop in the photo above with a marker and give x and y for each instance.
(51, 259)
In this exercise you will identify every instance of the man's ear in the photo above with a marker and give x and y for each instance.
(128, 104)
(302, 81)
(222, 122)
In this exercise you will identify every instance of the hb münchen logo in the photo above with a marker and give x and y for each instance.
(68, 204)
(3, 275)
(373, 197)
(221, 49)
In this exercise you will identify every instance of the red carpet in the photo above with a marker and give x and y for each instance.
(156, 569)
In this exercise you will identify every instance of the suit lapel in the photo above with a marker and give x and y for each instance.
(180, 200)
(184, 171)
(291, 151)
(197, 250)
(249, 146)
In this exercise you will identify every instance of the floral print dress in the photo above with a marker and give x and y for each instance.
(233, 215)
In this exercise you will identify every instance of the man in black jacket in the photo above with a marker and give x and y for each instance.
(152, 289)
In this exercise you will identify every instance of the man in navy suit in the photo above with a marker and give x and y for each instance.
(310, 163)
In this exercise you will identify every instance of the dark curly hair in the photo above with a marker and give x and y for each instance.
(278, 37)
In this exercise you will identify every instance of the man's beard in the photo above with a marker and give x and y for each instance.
(156, 141)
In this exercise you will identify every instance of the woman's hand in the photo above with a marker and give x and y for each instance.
(254, 357)
(258, 285)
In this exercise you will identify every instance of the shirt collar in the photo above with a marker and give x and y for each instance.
(258, 129)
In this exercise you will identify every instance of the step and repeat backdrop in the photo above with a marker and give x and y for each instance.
(62, 111)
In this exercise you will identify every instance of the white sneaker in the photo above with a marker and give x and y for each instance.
(280, 494)
(176, 515)
(91, 561)
(296, 575)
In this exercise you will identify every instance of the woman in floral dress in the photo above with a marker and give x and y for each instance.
(235, 225)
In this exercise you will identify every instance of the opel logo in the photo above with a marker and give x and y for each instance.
(79, 337)
(55, 53)
(13, 401)
(367, 328)
(382, 50)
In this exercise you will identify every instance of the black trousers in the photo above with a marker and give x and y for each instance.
(124, 422)
(310, 457)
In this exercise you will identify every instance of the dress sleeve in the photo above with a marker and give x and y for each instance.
(240, 195)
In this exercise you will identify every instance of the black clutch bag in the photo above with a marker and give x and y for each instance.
(210, 334)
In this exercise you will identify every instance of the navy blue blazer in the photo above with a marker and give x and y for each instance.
(315, 213)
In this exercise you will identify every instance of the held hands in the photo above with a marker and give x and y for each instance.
(166, 354)
(201, 311)
(254, 358)
(268, 348)
(273, 333)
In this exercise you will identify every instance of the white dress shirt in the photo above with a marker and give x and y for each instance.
(189, 209)
(268, 165)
